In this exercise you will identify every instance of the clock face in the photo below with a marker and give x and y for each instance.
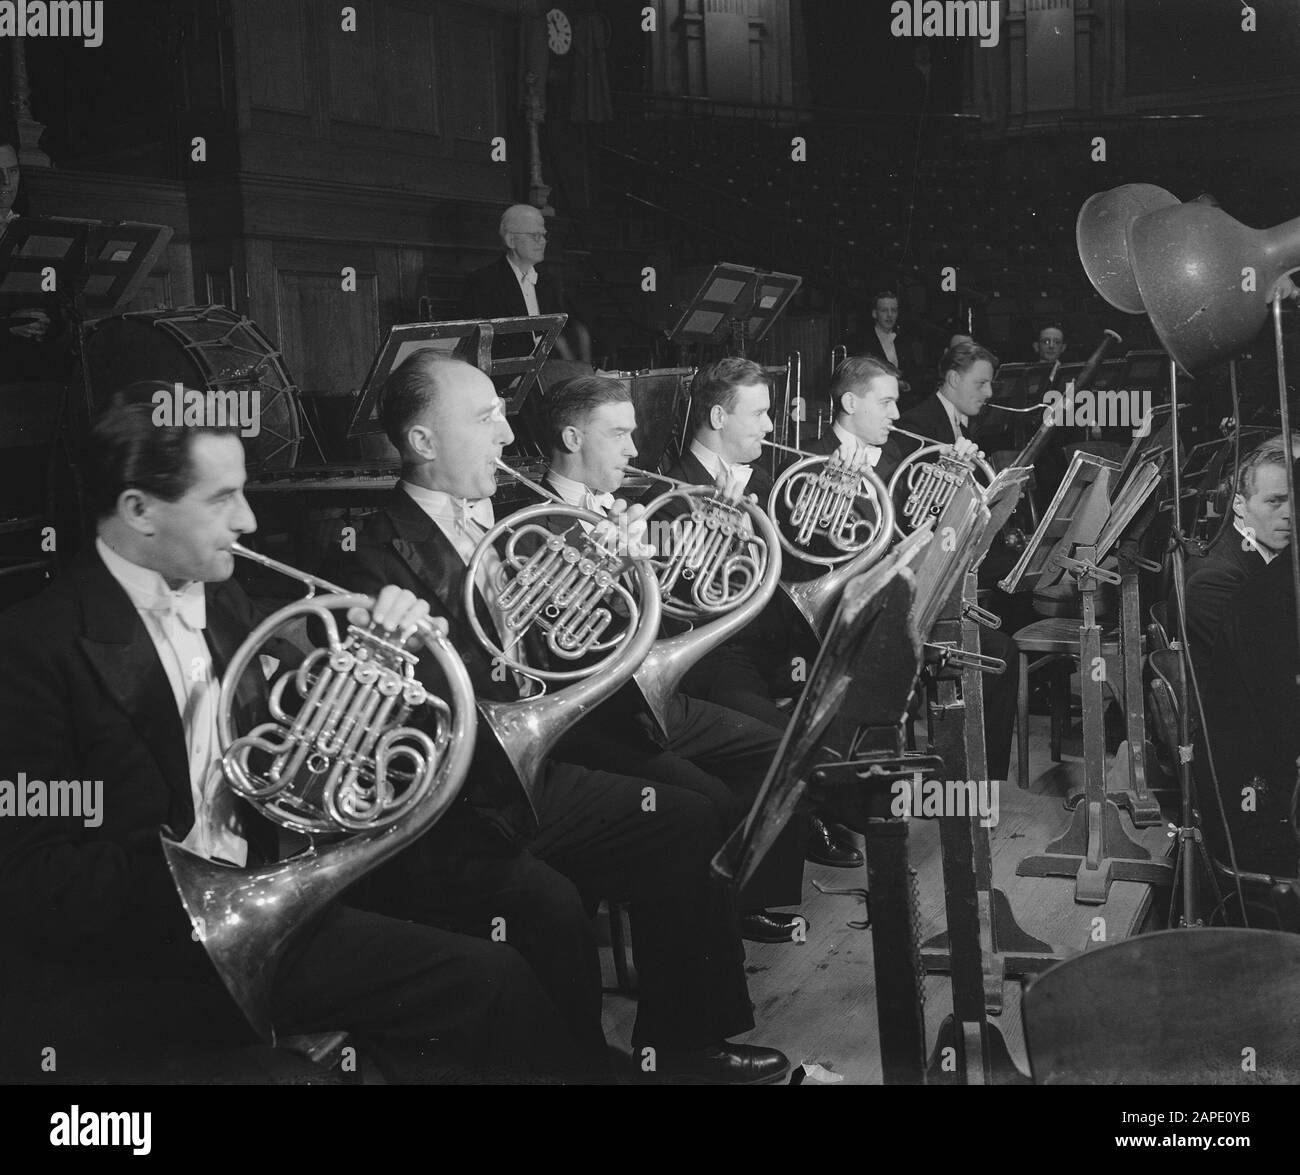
(559, 33)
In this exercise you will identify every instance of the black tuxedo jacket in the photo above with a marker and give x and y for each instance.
(911, 357)
(402, 545)
(1212, 580)
(766, 642)
(84, 696)
(1251, 702)
(930, 419)
(494, 292)
(890, 453)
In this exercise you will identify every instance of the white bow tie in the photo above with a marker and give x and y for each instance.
(188, 605)
(600, 503)
(529, 278)
(740, 474)
(477, 512)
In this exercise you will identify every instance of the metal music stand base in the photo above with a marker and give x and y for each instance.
(1013, 948)
(965, 1042)
(1095, 849)
(1077, 855)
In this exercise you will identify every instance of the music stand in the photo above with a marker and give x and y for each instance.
(468, 339)
(1094, 850)
(735, 303)
(852, 647)
(118, 259)
(29, 248)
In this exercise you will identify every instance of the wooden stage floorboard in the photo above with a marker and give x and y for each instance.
(816, 1000)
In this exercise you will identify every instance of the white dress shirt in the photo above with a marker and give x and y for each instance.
(528, 283)
(720, 470)
(887, 344)
(1250, 543)
(175, 621)
(578, 494)
(957, 419)
(465, 522)
(855, 449)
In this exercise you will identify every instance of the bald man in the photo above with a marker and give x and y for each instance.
(513, 286)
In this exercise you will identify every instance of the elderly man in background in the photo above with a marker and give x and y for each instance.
(512, 286)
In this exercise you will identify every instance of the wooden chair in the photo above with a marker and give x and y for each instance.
(1216, 1005)
(1055, 640)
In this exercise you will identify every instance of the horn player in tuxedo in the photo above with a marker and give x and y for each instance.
(532, 865)
(112, 676)
(720, 753)
(730, 402)
(966, 386)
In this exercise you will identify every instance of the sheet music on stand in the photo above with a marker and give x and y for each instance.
(40, 260)
(98, 266)
(468, 339)
(1077, 514)
(849, 658)
(735, 298)
(1128, 502)
(118, 259)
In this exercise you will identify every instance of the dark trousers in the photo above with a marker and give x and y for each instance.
(717, 753)
(737, 681)
(423, 1002)
(607, 835)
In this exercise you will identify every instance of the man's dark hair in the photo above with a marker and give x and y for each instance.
(411, 390)
(875, 298)
(963, 357)
(715, 385)
(1049, 326)
(128, 451)
(855, 371)
(572, 402)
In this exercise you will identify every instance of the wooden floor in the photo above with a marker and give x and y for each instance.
(816, 1001)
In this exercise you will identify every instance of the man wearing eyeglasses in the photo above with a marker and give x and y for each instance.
(512, 286)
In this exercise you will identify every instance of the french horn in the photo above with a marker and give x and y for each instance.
(930, 476)
(718, 565)
(832, 514)
(349, 759)
(594, 608)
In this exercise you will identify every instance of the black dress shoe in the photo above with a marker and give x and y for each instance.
(725, 1064)
(766, 926)
(825, 848)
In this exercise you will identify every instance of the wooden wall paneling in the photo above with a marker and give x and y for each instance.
(388, 289)
(328, 336)
(351, 65)
(255, 287)
(471, 60)
(276, 53)
(412, 76)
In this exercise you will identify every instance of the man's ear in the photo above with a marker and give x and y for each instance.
(950, 378)
(848, 402)
(1239, 505)
(571, 437)
(717, 415)
(135, 508)
(420, 441)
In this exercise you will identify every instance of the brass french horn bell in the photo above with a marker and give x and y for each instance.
(1191, 263)
(344, 762)
(1101, 235)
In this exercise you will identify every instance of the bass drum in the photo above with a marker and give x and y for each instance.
(209, 348)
